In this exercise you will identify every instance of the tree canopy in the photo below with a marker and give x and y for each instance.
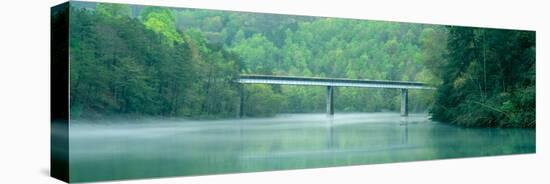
(128, 59)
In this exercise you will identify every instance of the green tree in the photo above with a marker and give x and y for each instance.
(488, 79)
(161, 20)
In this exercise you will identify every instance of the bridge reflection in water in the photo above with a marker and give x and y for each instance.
(336, 146)
(403, 124)
(331, 83)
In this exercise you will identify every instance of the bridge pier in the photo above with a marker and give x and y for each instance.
(330, 100)
(404, 102)
(240, 110)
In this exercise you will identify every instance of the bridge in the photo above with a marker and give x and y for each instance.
(331, 83)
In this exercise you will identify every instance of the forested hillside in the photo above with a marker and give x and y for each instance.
(181, 62)
(126, 65)
(155, 61)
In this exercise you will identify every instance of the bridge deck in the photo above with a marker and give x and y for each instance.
(317, 81)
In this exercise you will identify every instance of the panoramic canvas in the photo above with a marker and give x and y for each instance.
(144, 91)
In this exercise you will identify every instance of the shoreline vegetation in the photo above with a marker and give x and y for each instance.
(148, 61)
(488, 79)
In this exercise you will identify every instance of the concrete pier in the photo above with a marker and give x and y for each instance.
(241, 102)
(404, 102)
(330, 100)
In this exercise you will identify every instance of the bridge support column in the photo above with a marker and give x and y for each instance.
(240, 108)
(330, 100)
(404, 102)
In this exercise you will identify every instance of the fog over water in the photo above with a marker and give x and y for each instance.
(150, 147)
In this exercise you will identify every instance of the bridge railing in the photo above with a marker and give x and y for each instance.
(317, 81)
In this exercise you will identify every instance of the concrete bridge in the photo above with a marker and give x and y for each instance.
(331, 83)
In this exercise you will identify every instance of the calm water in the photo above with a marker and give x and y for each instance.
(170, 147)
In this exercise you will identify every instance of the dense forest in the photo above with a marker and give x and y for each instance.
(154, 61)
(488, 78)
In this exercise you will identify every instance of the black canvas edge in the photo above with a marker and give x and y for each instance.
(59, 92)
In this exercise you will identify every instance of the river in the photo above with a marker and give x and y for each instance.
(126, 149)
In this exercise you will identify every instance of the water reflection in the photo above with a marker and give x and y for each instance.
(120, 149)
(330, 132)
(405, 133)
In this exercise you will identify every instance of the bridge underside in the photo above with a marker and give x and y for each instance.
(331, 83)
